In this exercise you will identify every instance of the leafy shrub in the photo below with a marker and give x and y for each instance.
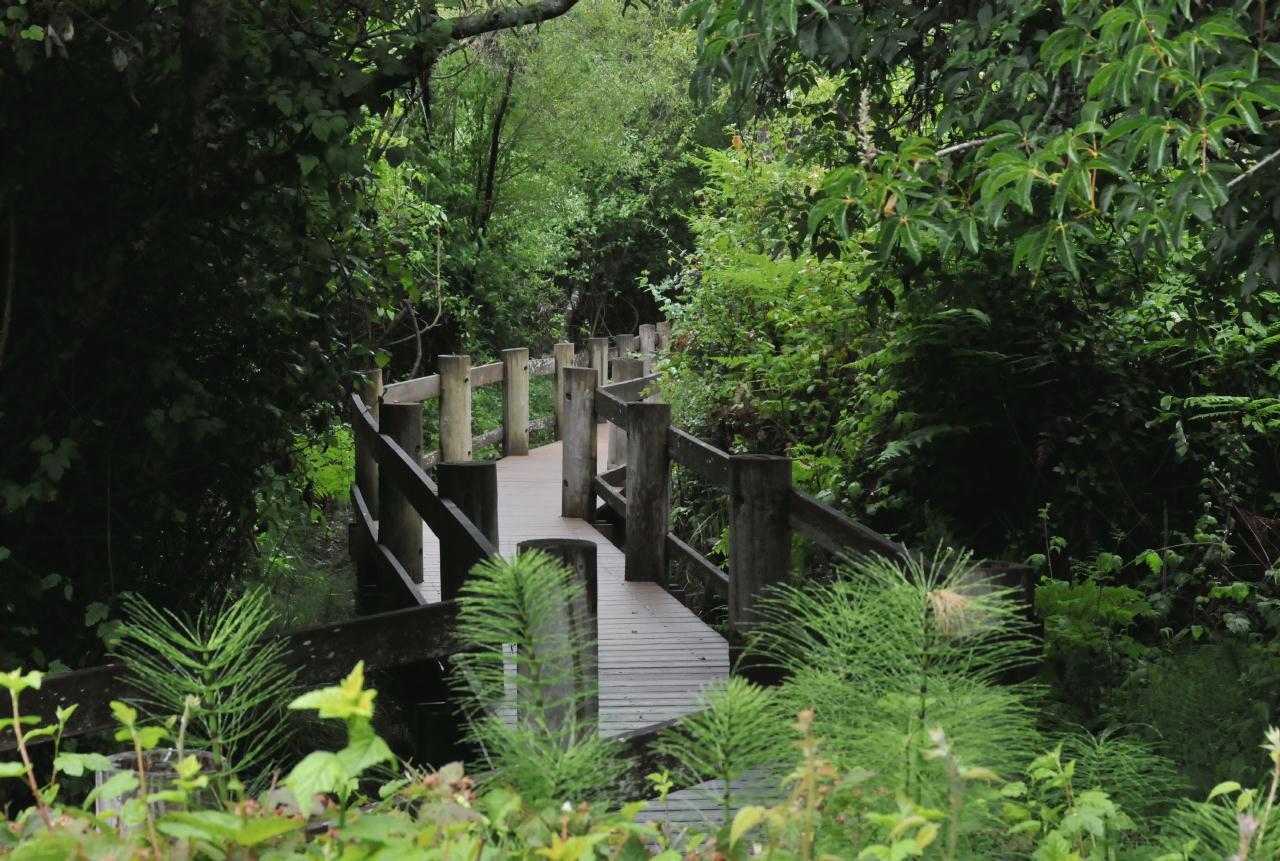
(1085, 799)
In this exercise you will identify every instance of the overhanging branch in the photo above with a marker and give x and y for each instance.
(505, 19)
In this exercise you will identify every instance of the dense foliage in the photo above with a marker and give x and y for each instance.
(1004, 275)
(935, 794)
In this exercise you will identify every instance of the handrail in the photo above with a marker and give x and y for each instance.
(835, 531)
(427, 388)
(764, 508)
(609, 408)
(629, 390)
(486, 375)
(412, 391)
(702, 459)
(440, 515)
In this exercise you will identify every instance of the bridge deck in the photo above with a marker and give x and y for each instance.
(655, 655)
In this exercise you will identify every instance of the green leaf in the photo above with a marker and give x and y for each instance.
(320, 771)
(75, 764)
(35, 33)
(96, 612)
(307, 163)
(17, 682)
(115, 786)
(746, 819)
(124, 714)
(12, 769)
(348, 699)
(1222, 789)
(969, 231)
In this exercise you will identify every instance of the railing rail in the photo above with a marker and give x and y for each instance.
(763, 507)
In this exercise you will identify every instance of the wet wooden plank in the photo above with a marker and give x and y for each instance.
(655, 655)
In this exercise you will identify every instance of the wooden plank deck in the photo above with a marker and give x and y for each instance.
(655, 655)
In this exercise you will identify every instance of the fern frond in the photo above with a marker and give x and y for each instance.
(737, 729)
(221, 658)
(530, 677)
(889, 651)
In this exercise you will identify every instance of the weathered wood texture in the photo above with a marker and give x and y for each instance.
(608, 408)
(648, 491)
(472, 485)
(562, 357)
(624, 368)
(486, 375)
(836, 532)
(611, 496)
(413, 391)
(630, 390)
(515, 401)
(598, 350)
(648, 339)
(700, 566)
(705, 461)
(399, 528)
(759, 537)
(366, 462)
(578, 452)
(455, 407)
(655, 655)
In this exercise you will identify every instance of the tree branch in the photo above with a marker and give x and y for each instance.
(960, 147)
(1258, 166)
(505, 19)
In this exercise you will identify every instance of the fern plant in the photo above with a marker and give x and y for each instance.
(230, 685)
(888, 652)
(737, 729)
(529, 678)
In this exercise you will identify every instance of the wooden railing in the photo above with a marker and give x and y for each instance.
(763, 507)
(611, 382)
(393, 496)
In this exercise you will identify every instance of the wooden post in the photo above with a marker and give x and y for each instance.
(472, 485)
(578, 468)
(648, 491)
(515, 401)
(455, 408)
(626, 345)
(578, 627)
(759, 532)
(623, 369)
(562, 354)
(366, 458)
(648, 339)
(598, 349)
(399, 526)
(663, 333)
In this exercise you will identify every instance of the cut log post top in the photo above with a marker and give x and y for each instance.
(598, 350)
(455, 407)
(515, 401)
(578, 464)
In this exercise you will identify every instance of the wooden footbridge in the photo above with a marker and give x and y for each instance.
(603, 483)
(416, 535)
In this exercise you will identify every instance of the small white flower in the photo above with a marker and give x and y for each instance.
(566, 808)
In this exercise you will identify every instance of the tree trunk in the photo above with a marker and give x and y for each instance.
(495, 140)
